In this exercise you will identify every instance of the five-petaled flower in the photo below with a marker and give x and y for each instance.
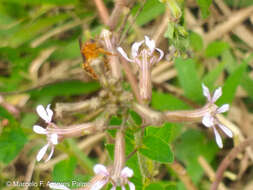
(124, 175)
(210, 119)
(46, 115)
(144, 57)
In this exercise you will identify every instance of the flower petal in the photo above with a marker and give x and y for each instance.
(150, 44)
(58, 186)
(113, 188)
(50, 113)
(161, 54)
(99, 185)
(131, 186)
(54, 139)
(40, 130)
(100, 169)
(123, 53)
(135, 48)
(226, 130)
(208, 120)
(51, 154)
(42, 152)
(218, 138)
(206, 92)
(217, 93)
(126, 172)
(42, 112)
(123, 187)
(223, 108)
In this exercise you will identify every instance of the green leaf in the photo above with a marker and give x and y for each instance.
(204, 6)
(30, 30)
(161, 101)
(188, 78)
(154, 186)
(12, 141)
(213, 75)
(171, 187)
(196, 41)
(137, 119)
(133, 163)
(42, 2)
(68, 51)
(165, 132)
(247, 84)
(192, 144)
(63, 171)
(231, 84)
(110, 150)
(156, 149)
(216, 48)
(151, 10)
(66, 88)
(82, 159)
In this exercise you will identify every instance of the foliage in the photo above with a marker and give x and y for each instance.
(40, 63)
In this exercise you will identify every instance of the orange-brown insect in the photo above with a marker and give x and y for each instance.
(91, 50)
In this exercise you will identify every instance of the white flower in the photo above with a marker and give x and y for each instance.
(137, 57)
(125, 174)
(58, 186)
(52, 141)
(210, 119)
(45, 114)
(144, 58)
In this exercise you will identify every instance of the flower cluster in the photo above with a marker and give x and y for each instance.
(46, 115)
(124, 175)
(144, 57)
(100, 169)
(210, 119)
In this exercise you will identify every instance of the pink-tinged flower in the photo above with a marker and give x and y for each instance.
(52, 141)
(124, 175)
(210, 119)
(46, 115)
(144, 57)
(58, 186)
(138, 55)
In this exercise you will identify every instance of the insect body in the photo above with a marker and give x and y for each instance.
(91, 50)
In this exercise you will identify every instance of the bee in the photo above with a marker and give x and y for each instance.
(89, 51)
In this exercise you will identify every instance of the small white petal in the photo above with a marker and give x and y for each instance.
(42, 152)
(161, 54)
(223, 108)
(113, 188)
(135, 48)
(226, 130)
(50, 113)
(131, 186)
(58, 186)
(42, 112)
(208, 120)
(100, 169)
(54, 139)
(127, 172)
(123, 53)
(40, 130)
(99, 185)
(123, 187)
(51, 154)
(206, 92)
(150, 44)
(218, 138)
(217, 94)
